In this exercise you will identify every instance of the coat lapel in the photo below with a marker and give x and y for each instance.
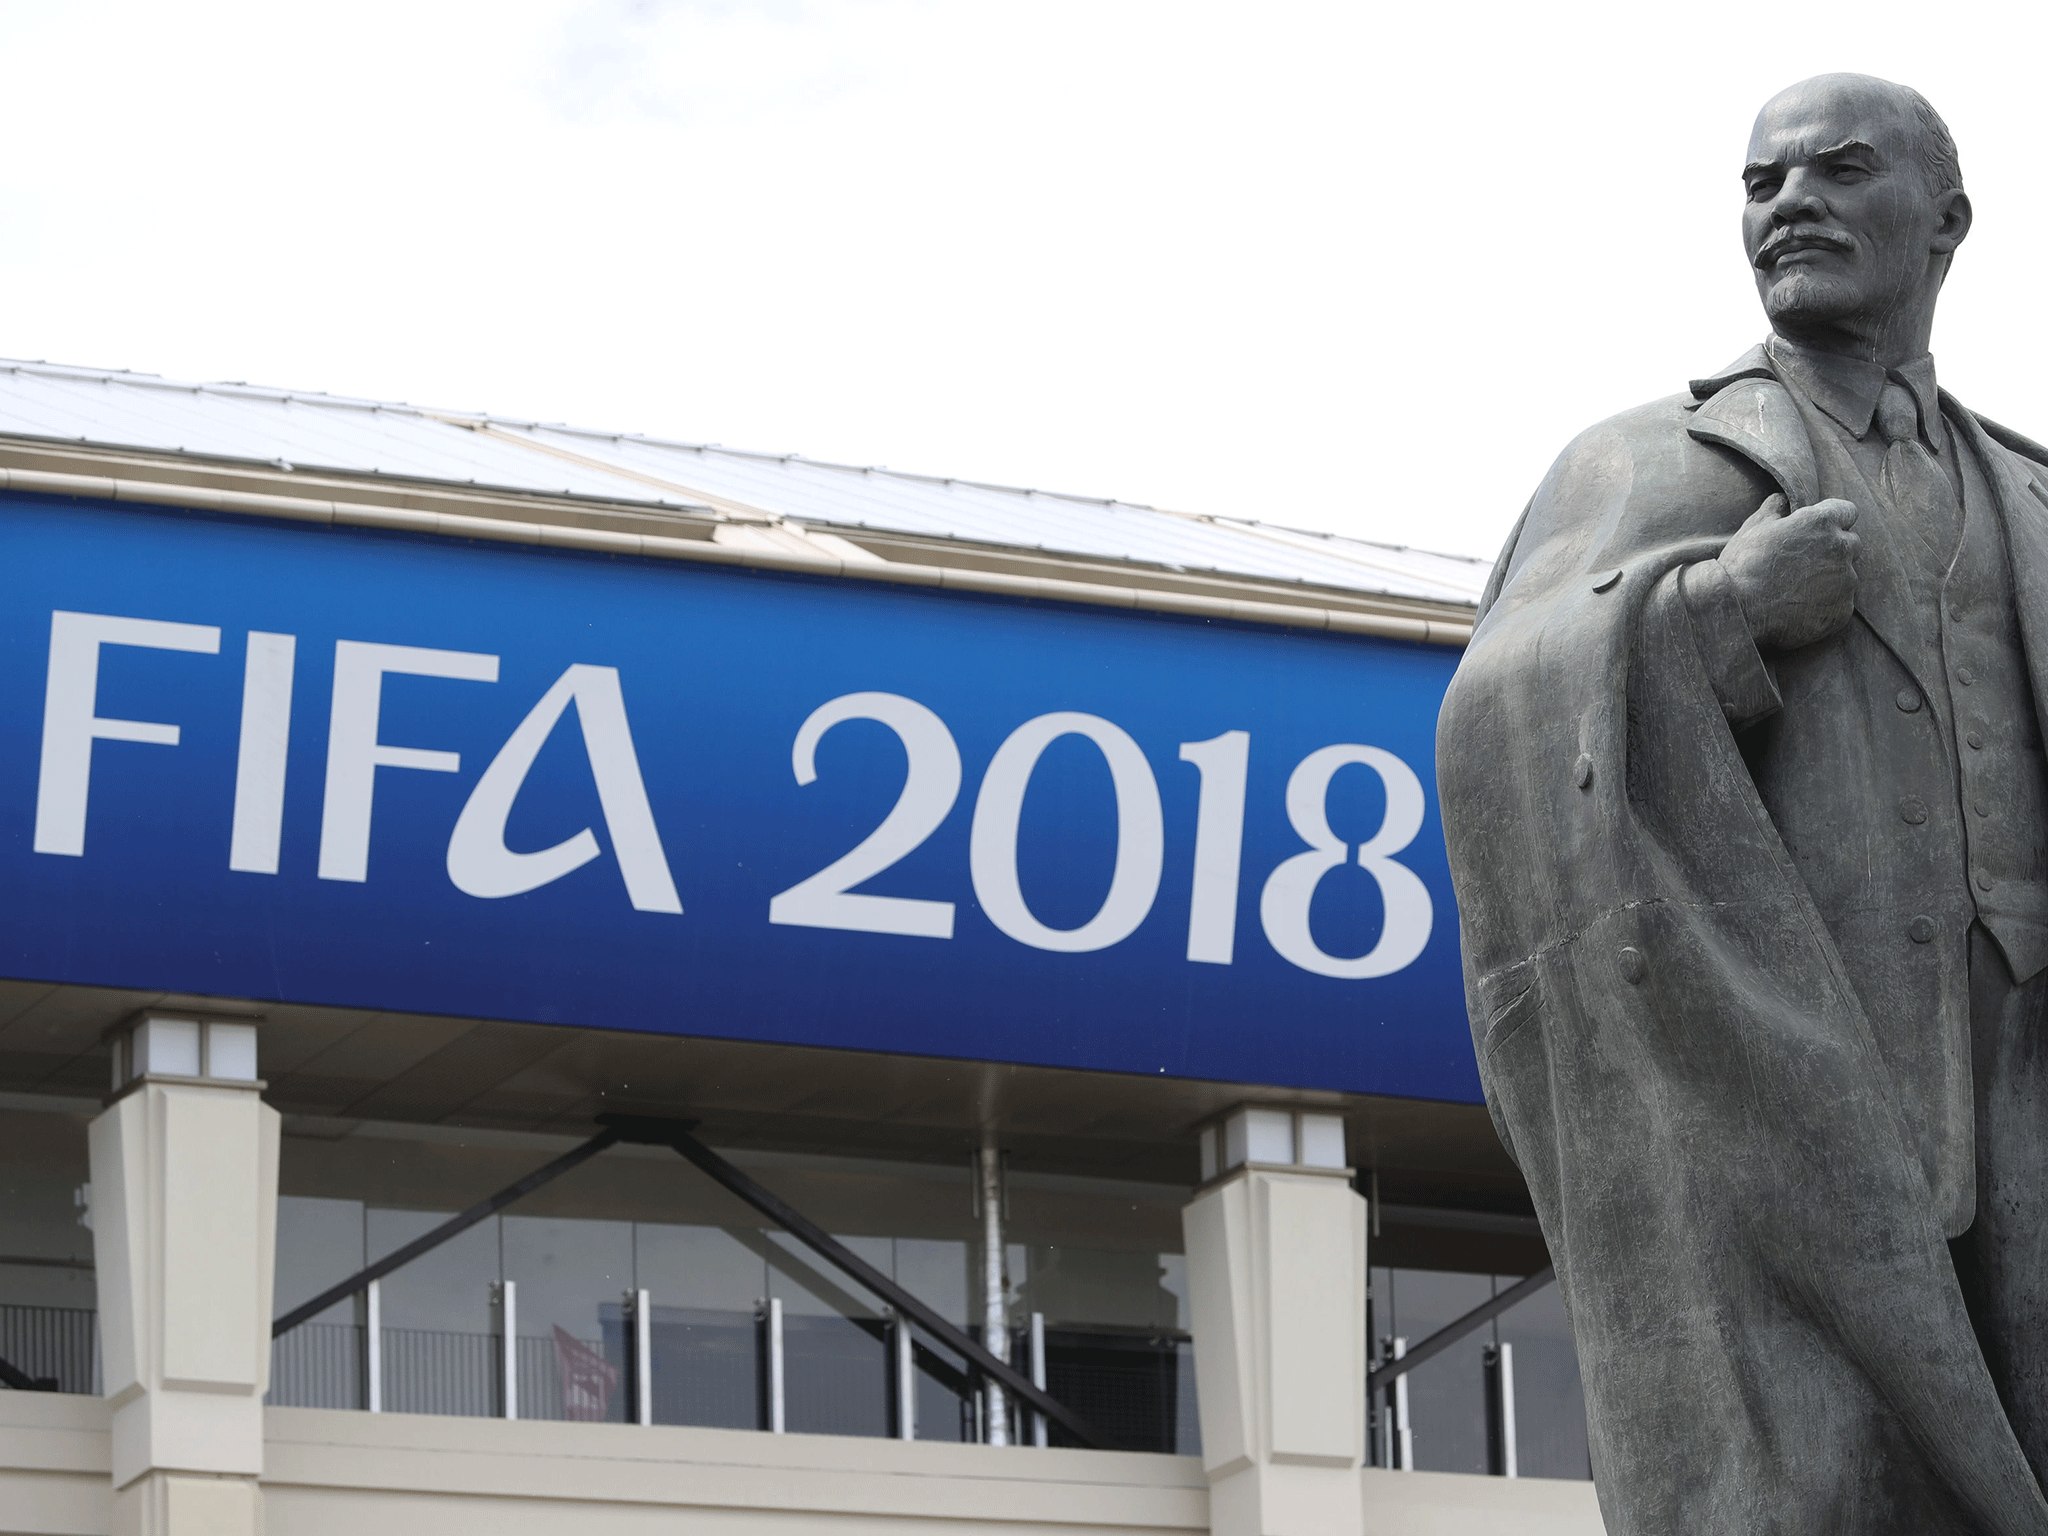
(1751, 412)
(1756, 417)
(2023, 509)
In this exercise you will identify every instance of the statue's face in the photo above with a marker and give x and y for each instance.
(1840, 224)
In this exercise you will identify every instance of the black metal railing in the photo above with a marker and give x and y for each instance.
(50, 1349)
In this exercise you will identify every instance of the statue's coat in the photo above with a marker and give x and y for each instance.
(1746, 1182)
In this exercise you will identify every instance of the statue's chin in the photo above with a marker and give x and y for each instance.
(1802, 299)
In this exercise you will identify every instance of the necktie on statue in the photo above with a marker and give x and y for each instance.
(1920, 493)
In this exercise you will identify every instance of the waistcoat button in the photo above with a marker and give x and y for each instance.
(1983, 882)
(1630, 962)
(1921, 930)
(1582, 770)
(1975, 739)
(1909, 699)
(1965, 676)
(1912, 810)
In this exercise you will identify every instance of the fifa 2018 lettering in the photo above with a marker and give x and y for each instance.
(480, 864)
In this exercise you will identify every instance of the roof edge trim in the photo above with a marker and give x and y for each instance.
(657, 546)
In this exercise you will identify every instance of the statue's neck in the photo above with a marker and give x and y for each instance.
(1890, 339)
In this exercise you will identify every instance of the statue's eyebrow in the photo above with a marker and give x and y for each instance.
(1777, 167)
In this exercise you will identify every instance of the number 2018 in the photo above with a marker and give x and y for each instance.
(932, 785)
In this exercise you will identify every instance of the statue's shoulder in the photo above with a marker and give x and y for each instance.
(1682, 460)
(2013, 442)
(1655, 429)
(1687, 466)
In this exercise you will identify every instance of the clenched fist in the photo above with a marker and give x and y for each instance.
(1795, 573)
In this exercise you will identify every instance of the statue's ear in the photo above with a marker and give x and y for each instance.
(1956, 217)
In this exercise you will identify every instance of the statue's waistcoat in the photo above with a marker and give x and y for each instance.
(1996, 730)
(1905, 775)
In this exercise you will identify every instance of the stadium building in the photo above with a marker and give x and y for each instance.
(566, 981)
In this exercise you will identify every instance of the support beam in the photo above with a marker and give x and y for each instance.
(675, 1134)
(13, 1376)
(454, 1226)
(1451, 1332)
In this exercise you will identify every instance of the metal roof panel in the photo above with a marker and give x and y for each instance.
(329, 432)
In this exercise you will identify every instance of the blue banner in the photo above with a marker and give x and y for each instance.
(343, 767)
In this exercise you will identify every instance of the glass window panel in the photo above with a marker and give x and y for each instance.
(1173, 1279)
(1100, 1250)
(809, 1286)
(440, 1329)
(720, 1268)
(1550, 1402)
(1100, 1286)
(1187, 1418)
(319, 1363)
(1447, 1395)
(572, 1277)
(705, 1285)
(934, 1270)
(319, 1242)
(48, 1317)
(834, 1341)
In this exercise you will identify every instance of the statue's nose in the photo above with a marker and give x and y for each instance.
(1798, 199)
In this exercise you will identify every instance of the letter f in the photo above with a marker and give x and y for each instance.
(353, 752)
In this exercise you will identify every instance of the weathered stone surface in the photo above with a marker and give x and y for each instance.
(1742, 778)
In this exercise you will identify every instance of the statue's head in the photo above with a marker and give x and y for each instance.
(1855, 208)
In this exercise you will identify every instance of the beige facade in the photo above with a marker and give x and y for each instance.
(336, 1473)
(185, 1176)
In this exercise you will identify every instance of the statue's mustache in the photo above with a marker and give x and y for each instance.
(1801, 239)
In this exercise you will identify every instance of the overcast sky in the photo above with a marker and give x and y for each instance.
(1354, 267)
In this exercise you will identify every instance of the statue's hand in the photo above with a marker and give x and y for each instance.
(1795, 573)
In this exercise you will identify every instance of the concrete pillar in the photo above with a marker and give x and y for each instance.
(1276, 1284)
(184, 1196)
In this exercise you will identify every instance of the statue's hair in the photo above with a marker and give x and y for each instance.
(1939, 162)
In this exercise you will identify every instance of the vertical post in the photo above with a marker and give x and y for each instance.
(906, 1378)
(777, 1414)
(1383, 1424)
(508, 1356)
(1500, 1411)
(373, 1346)
(184, 1205)
(1038, 1425)
(995, 1284)
(643, 1359)
(1397, 1412)
(1276, 1255)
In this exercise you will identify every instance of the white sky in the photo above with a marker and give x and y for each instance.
(1356, 267)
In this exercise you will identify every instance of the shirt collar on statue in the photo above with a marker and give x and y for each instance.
(1847, 387)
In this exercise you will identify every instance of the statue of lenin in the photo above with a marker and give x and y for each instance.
(1743, 782)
